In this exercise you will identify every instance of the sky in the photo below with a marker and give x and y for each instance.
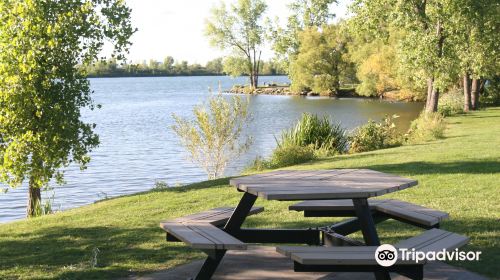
(175, 28)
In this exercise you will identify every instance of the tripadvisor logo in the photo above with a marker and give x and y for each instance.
(387, 255)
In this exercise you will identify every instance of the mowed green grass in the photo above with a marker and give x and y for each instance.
(459, 174)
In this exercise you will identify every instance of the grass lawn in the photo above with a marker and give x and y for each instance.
(459, 174)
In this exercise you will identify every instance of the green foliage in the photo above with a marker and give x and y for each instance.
(312, 137)
(283, 156)
(214, 137)
(375, 136)
(319, 133)
(239, 30)
(451, 103)
(290, 154)
(437, 43)
(171, 67)
(491, 95)
(42, 88)
(235, 66)
(319, 62)
(304, 14)
(428, 126)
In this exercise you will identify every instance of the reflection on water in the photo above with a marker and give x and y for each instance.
(138, 148)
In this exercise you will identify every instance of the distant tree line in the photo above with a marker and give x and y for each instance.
(169, 67)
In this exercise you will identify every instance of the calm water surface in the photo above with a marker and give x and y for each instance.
(138, 148)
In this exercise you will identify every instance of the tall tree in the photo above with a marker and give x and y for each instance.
(424, 48)
(43, 88)
(168, 64)
(319, 62)
(476, 42)
(304, 14)
(239, 29)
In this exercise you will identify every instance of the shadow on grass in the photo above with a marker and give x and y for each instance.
(422, 168)
(68, 252)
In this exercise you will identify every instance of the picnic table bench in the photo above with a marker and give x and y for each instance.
(391, 208)
(202, 230)
(324, 193)
(361, 258)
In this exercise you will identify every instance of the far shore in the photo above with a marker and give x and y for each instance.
(343, 92)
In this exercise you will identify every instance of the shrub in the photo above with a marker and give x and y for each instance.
(374, 136)
(428, 126)
(283, 156)
(287, 155)
(451, 103)
(320, 133)
(491, 95)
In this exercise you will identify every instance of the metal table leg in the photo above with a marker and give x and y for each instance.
(233, 224)
(368, 229)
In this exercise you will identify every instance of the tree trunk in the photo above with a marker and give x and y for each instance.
(433, 101)
(430, 83)
(432, 97)
(252, 80)
(467, 95)
(34, 199)
(433, 104)
(475, 94)
(256, 80)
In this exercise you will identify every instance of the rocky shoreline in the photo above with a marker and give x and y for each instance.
(285, 90)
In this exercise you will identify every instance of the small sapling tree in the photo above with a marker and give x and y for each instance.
(215, 136)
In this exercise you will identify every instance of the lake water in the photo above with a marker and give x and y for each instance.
(138, 147)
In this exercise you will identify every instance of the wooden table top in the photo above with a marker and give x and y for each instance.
(321, 184)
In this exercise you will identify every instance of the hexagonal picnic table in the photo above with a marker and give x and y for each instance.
(336, 188)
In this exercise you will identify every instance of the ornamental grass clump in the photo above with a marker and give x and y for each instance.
(319, 133)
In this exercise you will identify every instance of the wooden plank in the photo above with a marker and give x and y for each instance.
(450, 242)
(317, 194)
(188, 236)
(440, 215)
(405, 214)
(340, 204)
(220, 238)
(288, 250)
(421, 238)
(353, 257)
(291, 175)
(204, 236)
(205, 215)
(434, 240)
(215, 216)
(275, 175)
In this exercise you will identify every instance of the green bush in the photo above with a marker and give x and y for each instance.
(428, 126)
(287, 155)
(491, 95)
(451, 103)
(320, 133)
(374, 136)
(283, 156)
